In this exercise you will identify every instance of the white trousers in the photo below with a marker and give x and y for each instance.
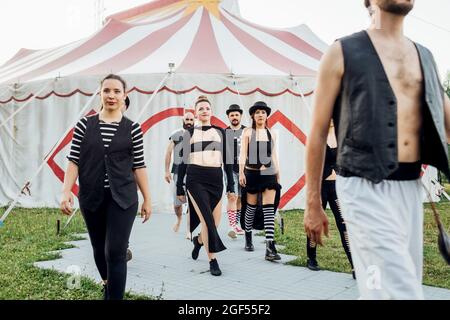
(385, 227)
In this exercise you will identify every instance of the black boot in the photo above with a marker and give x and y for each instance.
(214, 268)
(271, 251)
(197, 247)
(312, 265)
(248, 242)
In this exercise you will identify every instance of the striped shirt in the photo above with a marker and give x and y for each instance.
(108, 130)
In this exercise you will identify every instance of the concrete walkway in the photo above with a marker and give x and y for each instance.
(162, 267)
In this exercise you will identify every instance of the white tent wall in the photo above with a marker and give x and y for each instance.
(42, 123)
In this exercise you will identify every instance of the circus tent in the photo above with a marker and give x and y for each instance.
(169, 51)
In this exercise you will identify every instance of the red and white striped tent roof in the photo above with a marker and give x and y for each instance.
(198, 36)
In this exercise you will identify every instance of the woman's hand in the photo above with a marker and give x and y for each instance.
(146, 211)
(242, 180)
(168, 177)
(67, 203)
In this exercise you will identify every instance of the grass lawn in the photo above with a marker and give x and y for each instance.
(332, 256)
(27, 237)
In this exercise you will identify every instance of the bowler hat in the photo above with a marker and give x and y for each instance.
(260, 105)
(234, 108)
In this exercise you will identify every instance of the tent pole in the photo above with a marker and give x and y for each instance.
(13, 204)
(26, 104)
(308, 106)
(153, 95)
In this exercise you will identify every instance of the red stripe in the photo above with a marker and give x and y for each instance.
(108, 33)
(257, 90)
(265, 53)
(22, 53)
(287, 37)
(279, 117)
(204, 55)
(44, 54)
(140, 10)
(139, 51)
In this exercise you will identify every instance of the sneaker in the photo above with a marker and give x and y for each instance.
(239, 231)
(312, 265)
(232, 234)
(214, 268)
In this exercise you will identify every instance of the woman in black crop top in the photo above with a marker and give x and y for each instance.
(259, 175)
(329, 196)
(204, 154)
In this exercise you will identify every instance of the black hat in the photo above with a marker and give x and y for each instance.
(234, 108)
(127, 102)
(260, 105)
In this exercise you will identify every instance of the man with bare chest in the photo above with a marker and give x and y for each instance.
(391, 116)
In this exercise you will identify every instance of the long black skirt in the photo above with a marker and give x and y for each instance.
(257, 183)
(205, 186)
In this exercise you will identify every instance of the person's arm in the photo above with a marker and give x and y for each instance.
(328, 85)
(70, 178)
(447, 116)
(168, 160)
(243, 156)
(142, 181)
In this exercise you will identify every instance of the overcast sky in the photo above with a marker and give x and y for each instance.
(42, 24)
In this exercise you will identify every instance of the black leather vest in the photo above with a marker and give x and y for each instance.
(365, 114)
(117, 161)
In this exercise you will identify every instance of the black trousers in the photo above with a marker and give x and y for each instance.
(329, 196)
(109, 229)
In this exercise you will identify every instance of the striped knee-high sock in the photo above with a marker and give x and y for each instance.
(269, 221)
(238, 217)
(232, 218)
(249, 217)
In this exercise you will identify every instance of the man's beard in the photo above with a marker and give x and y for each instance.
(235, 123)
(187, 126)
(401, 9)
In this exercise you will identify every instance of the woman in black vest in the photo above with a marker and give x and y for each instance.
(204, 155)
(107, 155)
(259, 175)
(329, 196)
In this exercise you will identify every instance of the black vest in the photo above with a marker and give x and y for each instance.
(117, 161)
(365, 114)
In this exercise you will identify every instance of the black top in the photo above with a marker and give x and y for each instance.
(330, 162)
(202, 146)
(259, 152)
(117, 161)
(234, 146)
(365, 114)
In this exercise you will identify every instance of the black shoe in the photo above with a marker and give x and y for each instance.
(129, 255)
(214, 268)
(197, 247)
(312, 265)
(271, 251)
(248, 242)
(105, 291)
